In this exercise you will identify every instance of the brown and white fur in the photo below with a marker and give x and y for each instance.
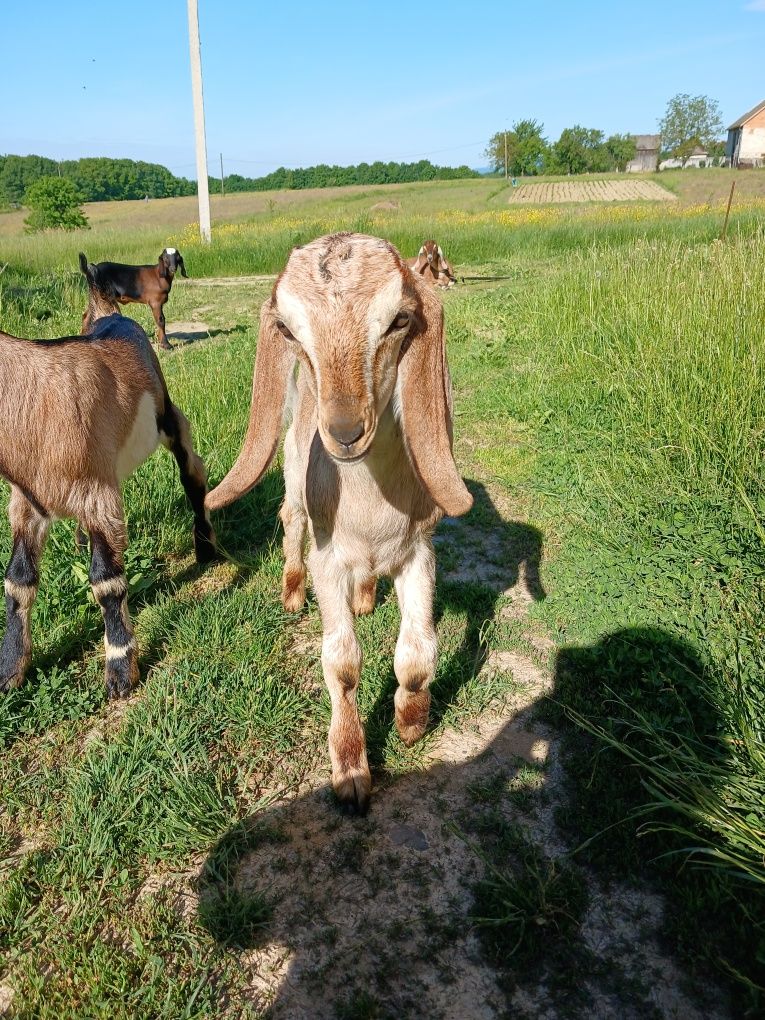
(368, 464)
(77, 416)
(432, 266)
(147, 285)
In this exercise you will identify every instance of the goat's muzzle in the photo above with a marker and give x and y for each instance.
(347, 431)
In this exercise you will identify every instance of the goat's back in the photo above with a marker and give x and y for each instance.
(67, 406)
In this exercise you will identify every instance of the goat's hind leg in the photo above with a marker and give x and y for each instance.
(416, 648)
(176, 435)
(30, 529)
(109, 585)
(341, 664)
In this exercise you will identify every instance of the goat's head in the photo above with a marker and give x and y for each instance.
(431, 257)
(366, 331)
(170, 261)
(102, 298)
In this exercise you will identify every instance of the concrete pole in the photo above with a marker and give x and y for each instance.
(203, 190)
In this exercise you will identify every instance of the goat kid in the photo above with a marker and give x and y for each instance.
(77, 416)
(148, 285)
(432, 266)
(368, 464)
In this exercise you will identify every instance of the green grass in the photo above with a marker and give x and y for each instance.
(611, 394)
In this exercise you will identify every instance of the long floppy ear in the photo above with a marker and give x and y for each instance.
(182, 265)
(273, 368)
(422, 262)
(162, 266)
(426, 407)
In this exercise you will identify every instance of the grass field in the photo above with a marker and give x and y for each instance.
(583, 831)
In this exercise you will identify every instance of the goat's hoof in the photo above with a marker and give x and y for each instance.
(10, 683)
(204, 547)
(165, 346)
(121, 678)
(412, 716)
(364, 597)
(353, 791)
(293, 591)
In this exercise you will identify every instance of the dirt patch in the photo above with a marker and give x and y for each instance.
(228, 281)
(187, 331)
(591, 191)
(386, 206)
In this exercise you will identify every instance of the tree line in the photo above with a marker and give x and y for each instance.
(95, 179)
(325, 176)
(689, 122)
(100, 179)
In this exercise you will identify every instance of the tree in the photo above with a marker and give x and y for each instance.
(689, 121)
(621, 149)
(527, 150)
(580, 150)
(54, 202)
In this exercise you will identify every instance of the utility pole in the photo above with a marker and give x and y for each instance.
(203, 189)
(505, 153)
(222, 189)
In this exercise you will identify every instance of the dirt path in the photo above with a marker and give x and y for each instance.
(372, 917)
(591, 191)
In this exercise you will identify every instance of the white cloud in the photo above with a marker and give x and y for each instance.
(755, 5)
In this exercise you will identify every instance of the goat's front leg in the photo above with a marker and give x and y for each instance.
(176, 435)
(30, 529)
(341, 663)
(109, 585)
(295, 522)
(416, 648)
(158, 311)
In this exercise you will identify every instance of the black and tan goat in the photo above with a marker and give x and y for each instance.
(432, 266)
(77, 416)
(147, 285)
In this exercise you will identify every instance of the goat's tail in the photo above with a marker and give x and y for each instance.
(83, 263)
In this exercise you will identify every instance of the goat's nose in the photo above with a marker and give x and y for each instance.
(346, 430)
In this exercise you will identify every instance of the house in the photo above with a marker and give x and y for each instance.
(746, 139)
(647, 154)
(699, 157)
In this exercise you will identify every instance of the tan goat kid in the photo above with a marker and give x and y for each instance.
(368, 464)
(77, 416)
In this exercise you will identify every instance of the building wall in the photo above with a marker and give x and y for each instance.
(752, 143)
(644, 160)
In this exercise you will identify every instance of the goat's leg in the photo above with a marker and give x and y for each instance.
(416, 648)
(364, 596)
(293, 578)
(176, 435)
(341, 663)
(109, 586)
(30, 529)
(157, 310)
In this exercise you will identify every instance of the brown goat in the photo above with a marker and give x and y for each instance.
(432, 266)
(148, 285)
(368, 465)
(77, 416)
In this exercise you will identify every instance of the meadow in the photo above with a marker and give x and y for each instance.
(178, 855)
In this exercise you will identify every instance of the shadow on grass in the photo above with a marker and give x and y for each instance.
(467, 849)
(488, 558)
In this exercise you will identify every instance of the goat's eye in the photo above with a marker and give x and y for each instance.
(401, 321)
(283, 330)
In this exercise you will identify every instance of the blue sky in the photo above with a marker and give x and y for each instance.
(338, 82)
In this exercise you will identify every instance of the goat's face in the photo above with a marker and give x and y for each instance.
(367, 332)
(102, 298)
(171, 261)
(344, 306)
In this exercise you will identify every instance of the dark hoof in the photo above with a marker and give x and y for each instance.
(165, 346)
(204, 549)
(353, 794)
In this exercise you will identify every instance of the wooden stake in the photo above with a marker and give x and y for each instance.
(727, 212)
